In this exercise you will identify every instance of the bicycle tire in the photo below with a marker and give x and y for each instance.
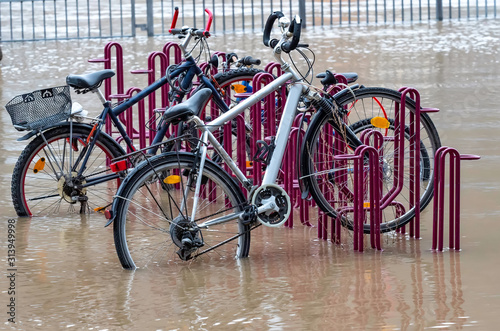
(145, 210)
(317, 174)
(38, 192)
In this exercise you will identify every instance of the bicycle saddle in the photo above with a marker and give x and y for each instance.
(350, 76)
(191, 107)
(89, 80)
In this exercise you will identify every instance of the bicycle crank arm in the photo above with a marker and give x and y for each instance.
(227, 218)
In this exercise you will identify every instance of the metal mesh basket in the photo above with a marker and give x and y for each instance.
(38, 109)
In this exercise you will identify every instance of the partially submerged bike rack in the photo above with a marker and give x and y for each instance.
(364, 186)
(454, 197)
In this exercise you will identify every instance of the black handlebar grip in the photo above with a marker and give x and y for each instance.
(175, 31)
(269, 26)
(202, 33)
(295, 27)
(248, 60)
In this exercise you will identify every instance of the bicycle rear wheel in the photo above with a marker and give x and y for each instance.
(330, 181)
(152, 220)
(40, 178)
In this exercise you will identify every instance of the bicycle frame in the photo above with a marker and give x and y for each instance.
(190, 68)
(284, 128)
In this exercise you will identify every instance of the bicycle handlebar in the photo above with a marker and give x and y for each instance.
(293, 29)
(174, 21)
(209, 23)
(269, 27)
(199, 33)
(248, 60)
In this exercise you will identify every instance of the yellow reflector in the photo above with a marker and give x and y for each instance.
(100, 209)
(174, 179)
(380, 122)
(239, 88)
(249, 164)
(39, 165)
(366, 205)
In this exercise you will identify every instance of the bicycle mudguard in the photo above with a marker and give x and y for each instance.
(62, 124)
(55, 125)
(347, 90)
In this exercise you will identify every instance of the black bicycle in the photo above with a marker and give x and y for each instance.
(65, 168)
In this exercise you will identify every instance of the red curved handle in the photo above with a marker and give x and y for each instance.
(210, 18)
(174, 21)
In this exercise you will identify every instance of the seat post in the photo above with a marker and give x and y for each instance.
(100, 95)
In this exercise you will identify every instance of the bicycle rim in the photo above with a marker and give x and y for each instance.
(331, 181)
(40, 182)
(152, 218)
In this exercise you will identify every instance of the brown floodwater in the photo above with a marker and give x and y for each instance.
(68, 275)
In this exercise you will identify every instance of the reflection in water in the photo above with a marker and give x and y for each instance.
(69, 275)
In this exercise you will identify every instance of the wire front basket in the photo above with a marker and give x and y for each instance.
(38, 109)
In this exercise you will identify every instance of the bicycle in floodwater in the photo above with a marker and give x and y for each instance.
(181, 205)
(65, 167)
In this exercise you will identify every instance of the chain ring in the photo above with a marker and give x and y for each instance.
(272, 193)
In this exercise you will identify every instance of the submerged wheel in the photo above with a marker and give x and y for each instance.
(42, 173)
(153, 224)
(330, 181)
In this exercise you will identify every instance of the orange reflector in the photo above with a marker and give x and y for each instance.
(239, 88)
(39, 165)
(173, 179)
(118, 166)
(249, 164)
(366, 205)
(380, 122)
(100, 209)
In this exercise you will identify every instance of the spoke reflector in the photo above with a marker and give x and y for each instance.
(173, 179)
(366, 205)
(39, 165)
(239, 88)
(380, 122)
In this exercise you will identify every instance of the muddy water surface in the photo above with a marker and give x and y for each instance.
(68, 275)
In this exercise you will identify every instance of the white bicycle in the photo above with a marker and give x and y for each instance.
(184, 205)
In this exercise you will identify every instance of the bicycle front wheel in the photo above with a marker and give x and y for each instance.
(331, 181)
(43, 178)
(154, 223)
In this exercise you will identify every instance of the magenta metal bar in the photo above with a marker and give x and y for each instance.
(256, 116)
(241, 153)
(360, 191)
(128, 120)
(454, 197)
(151, 72)
(414, 158)
(287, 167)
(173, 52)
(399, 142)
(107, 60)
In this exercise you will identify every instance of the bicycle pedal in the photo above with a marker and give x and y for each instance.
(249, 215)
(79, 198)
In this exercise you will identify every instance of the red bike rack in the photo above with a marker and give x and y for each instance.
(454, 197)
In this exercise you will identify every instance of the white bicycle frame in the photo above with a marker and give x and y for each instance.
(290, 77)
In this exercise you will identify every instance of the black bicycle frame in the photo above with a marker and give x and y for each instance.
(191, 69)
